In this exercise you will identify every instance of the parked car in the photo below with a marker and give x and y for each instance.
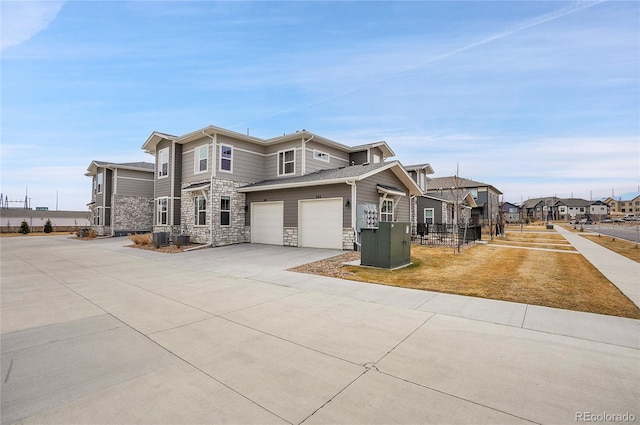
(618, 220)
(607, 220)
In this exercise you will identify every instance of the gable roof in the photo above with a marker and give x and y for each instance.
(629, 196)
(450, 198)
(352, 173)
(573, 202)
(426, 167)
(136, 166)
(453, 181)
(156, 137)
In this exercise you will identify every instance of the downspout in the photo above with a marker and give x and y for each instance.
(214, 143)
(304, 153)
(172, 211)
(354, 217)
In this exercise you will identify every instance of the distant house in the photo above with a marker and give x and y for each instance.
(510, 212)
(572, 208)
(419, 173)
(625, 204)
(221, 187)
(440, 208)
(485, 196)
(121, 197)
(598, 210)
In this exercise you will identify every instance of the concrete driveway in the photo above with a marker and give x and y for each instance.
(93, 332)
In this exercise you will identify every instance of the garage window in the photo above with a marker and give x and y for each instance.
(225, 211)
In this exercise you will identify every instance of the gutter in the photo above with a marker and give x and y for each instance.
(214, 142)
(354, 216)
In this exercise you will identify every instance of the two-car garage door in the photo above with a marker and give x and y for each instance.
(319, 223)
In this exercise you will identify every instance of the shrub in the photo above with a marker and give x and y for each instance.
(141, 239)
(48, 228)
(24, 227)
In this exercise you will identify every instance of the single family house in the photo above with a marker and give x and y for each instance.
(221, 187)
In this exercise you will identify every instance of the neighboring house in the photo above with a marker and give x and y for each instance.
(570, 209)
(598, 210)
(121, 197)
(541, 208)
(440, 207)
(300, 189)
(510, 212)
(625, 204)
(485, 196)
(418, 173)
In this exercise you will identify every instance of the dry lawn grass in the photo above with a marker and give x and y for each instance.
(621, 246)
(533, 240)
(15, 235)
(552, 279)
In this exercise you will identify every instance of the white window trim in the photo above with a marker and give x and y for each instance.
(387, 214)
(197, 159)
(375, 158)
(433, 215)
(283, 152)
(230, 170)
(99, 186)
(160, 155)
(229, 211)
(198, 211)
(158, 215)
(321, 156)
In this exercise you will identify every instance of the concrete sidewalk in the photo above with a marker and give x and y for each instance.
(93, 332)
(620, 270)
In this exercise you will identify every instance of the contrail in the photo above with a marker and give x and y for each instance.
(520, 26)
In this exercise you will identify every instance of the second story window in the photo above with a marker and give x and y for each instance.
(226, 158)
(201, 159)
(163, 162)
(286, 162)
(99, 183)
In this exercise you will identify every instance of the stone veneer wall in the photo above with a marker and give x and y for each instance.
(348, 238)
(222, 235)
(101, 230)
(131, 213)
(414, 215)
(290, 236)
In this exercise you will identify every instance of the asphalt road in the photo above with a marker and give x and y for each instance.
(622, 231)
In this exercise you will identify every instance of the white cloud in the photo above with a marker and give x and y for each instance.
(22, 20)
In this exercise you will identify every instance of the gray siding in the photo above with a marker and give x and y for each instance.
(358, 157)
(429, 203)
(163, 185)
(271, 161)
(367, 192)
(375, 151)
(134, 183)
(337, 158)
(188, 157)
(291, 197)
(248, 161)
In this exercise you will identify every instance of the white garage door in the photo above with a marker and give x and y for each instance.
(320, 223)
(267, 221)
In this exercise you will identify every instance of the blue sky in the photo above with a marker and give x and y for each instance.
(535, 98)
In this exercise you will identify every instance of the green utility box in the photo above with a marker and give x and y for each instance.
(388, 246)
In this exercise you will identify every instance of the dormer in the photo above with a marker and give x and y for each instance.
(419, 174)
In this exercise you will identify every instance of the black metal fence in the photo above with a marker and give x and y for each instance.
(446, 234)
